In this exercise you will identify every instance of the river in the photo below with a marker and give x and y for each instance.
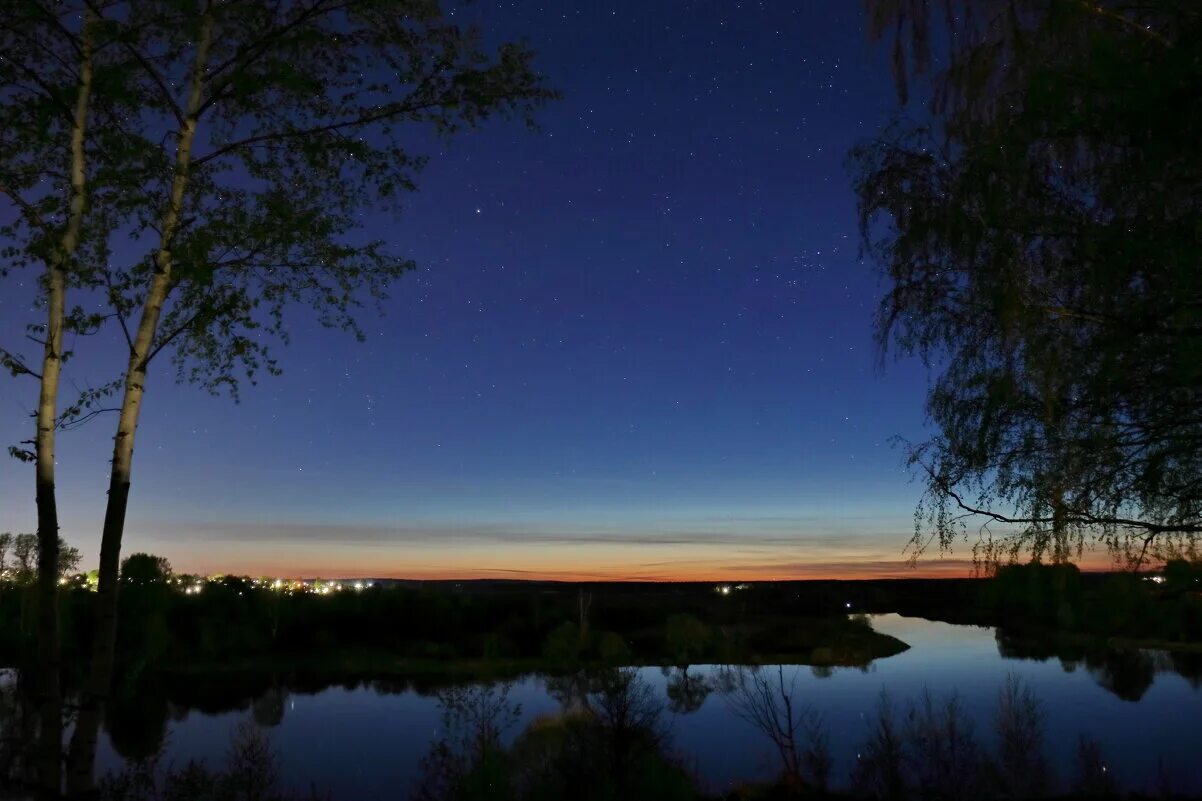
(366, 740)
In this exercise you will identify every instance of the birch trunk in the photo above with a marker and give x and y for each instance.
(80, 778)
(49, 654)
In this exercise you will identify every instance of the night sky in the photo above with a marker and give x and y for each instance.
(638, 344)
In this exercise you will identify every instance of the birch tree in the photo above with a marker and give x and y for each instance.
(279, 123)
(51, 57)
(1038, 229)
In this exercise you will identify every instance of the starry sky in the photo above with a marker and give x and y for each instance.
(638, 344)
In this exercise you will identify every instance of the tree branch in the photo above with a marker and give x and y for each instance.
(67, 425)
(364, 119)
(16, 365)
(149, 69)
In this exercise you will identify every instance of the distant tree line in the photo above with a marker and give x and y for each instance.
(23, 548)
(236, 620)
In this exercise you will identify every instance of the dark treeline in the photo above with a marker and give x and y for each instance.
(233, 622)
(1044, 600)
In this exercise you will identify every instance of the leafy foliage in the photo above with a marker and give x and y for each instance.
(1040, 235)
(305, 121)
(144, 568)
(24, 549)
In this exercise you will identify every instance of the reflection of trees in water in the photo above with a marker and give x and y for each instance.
(1188, 666)
(572, 690)
(468, 759)
(250, 771)
(928, 748)
(268, 709)
(1021, 769)
(762, 698)
(136, 722)
(137, 717)
(17, 727)
(611, 728)
(1127, 673)
(611, 739)
(389, 686)
(686, 691)
(608, 742)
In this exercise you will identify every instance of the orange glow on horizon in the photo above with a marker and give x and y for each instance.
(452, 553)
(841, 571)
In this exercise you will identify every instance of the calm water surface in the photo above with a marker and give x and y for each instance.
(362, 742)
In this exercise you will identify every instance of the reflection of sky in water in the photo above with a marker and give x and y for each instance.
(359, 744)
(965, 660)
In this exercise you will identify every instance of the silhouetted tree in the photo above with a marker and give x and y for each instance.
(275, 125)
(25, 555)
(686, 691)
(1127, 673)
(467, 760)
(1039, 233)
(67, 558)
(58, 146)
(686, 638)
(136, 721)
(143, 568)
(880, 767)
(761, 697)
(251, 773)
(623, 706)
(26, 549)
(6, 543)
(945, 758)
(1182, 575)
(1021, 768)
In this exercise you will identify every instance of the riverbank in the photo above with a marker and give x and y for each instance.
(356, 738)
(858, 650)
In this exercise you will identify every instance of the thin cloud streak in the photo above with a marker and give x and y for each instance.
(736, 534)
(718, 551)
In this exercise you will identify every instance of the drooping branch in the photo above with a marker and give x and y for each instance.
(1072, 518)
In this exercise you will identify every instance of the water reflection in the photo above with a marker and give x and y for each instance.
(1127, 673)
(686, 692)
(609, 740)
(685, 721)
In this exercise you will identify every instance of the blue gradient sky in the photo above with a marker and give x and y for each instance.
(638, 344)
